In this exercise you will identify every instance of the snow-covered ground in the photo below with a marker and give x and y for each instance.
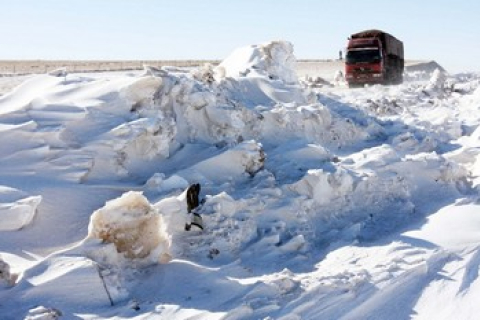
(318, 201)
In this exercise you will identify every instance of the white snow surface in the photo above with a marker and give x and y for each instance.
(318, 202)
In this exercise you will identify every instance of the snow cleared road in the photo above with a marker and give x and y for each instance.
(318, 201)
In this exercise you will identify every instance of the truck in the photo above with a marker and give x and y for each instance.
(373, 57)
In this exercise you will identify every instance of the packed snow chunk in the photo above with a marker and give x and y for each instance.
(286, 122)
(207, 73)
(339, 78)
(17, 209)
(174, 213)
(428, 168)
(437, 80)
(295, 244)
(159, 183)
(217, 123)
(141, 94)
(408, 142)
(7, 279)
(314, 123)
(274, 59)
(144, 138)
(231, 224)
(177, 211)
(283, 281)
(222, 204)
(375, 158)
(262, 92)
(247, 157)
(42, 313)
(200, 99)
(60, 72)
(323, 186)
(133, 226)
(472, 102)
(475, 169)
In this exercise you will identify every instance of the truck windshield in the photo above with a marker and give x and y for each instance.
(365, 55)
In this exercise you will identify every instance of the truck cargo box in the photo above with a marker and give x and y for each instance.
(392, 45)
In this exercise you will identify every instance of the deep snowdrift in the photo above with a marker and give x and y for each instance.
(305, 194)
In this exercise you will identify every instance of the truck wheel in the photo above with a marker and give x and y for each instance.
(400, 79)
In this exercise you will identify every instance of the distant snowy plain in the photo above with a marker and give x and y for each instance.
(318, 201)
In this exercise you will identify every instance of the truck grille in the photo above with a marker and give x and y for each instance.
(363, 70)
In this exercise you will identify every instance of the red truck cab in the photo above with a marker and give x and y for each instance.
(374, 57)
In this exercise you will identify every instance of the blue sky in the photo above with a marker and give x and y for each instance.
(441, 30)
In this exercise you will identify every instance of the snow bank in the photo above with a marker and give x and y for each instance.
(357, 196)
(437, 80)
(422, 70)
(122, 128)
(289, 176)
(428, 67)
(323, 187)
(261, 75)
(453, 217)
(27, 92)
(134, 229)
(313, 123)
(183, 111)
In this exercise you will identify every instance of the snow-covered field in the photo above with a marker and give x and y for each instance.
(318, 201)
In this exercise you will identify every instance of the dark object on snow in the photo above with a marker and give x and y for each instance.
(197, 220)
(193, 202)
(192, 196)
(213, 252)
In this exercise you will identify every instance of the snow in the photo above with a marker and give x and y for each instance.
(274, 60)
(133, 226)
(318, 201)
